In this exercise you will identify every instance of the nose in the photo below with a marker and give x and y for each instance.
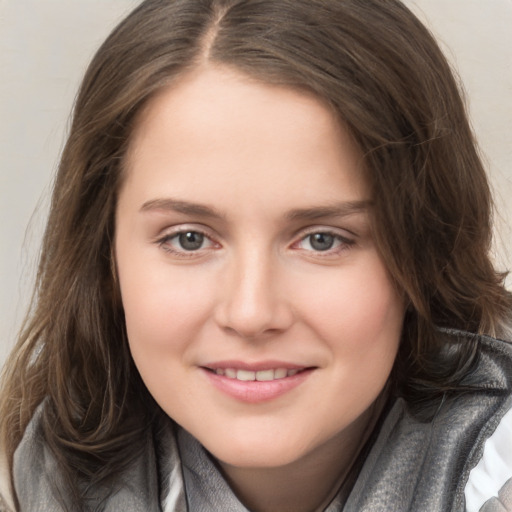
(253, 302)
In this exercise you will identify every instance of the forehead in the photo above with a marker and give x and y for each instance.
(221, 127)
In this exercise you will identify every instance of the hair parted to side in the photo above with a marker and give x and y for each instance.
(384, 75)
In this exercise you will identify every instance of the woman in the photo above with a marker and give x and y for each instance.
(265, 282)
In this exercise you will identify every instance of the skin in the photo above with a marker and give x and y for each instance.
(272, 166)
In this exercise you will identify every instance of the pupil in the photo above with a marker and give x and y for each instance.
(321, 241)
(191, 241)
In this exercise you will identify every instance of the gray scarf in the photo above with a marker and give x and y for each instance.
(412, 466)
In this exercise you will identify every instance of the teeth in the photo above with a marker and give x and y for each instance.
(229, 372)
(245, 375)
(265, 375)
(280, 373)
(261, 376)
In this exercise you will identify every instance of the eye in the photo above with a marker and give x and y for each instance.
(324, 241)
(186, 241)
(189, 241)
(321, 241)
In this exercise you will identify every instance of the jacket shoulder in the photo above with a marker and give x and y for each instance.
(417, 464)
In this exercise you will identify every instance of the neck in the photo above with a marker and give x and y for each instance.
(309, 483)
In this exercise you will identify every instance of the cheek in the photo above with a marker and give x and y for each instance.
(359, 314)
(164, 307)
(165, 310)
(360, 323)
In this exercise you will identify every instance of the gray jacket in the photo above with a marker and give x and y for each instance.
(412, 465)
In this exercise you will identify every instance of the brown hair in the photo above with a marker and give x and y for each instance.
(383, 73)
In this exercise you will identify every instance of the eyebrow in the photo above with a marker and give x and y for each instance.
(185, 207)
(318, 212)
(336, 210)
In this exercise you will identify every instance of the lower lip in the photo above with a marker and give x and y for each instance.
(254, 391)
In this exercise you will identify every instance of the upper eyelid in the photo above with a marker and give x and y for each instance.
(345, 241)
(164, 241)
(166, 235)
(171, 231)
(342, 239)
(331, 230)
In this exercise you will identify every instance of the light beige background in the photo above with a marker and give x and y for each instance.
(46, 44)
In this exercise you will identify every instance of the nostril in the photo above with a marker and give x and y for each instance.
(251, 305)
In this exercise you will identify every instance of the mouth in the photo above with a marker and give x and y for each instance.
(266, 375)
(255, 383)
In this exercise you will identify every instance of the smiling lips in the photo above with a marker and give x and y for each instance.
(261, 375)
(251, 384)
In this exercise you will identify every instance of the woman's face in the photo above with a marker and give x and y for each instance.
(258, 310)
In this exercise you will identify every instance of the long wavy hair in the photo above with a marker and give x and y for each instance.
(385, 77)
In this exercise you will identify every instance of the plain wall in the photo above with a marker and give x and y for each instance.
(46, 44)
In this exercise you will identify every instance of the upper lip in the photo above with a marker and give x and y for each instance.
(254, 366)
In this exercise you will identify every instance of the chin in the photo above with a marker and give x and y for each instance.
(263, 452)
(257, 459)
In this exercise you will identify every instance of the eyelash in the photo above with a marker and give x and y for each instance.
(343, 243)
(165, 242)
